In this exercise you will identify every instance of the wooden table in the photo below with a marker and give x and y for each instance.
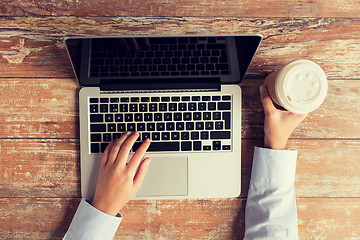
(39, 129)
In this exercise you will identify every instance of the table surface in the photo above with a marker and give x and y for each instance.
(39, 129)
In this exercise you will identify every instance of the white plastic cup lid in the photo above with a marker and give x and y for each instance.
(301, 86)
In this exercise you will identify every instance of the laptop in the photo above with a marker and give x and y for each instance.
(182, 92)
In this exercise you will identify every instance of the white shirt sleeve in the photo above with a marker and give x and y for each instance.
(90, 223)
(271, 208)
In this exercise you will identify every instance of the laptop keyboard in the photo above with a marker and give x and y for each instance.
(172, 123)
(165, 56)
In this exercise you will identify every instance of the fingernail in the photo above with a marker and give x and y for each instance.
(147, 140)
(148, 161)
(261, 88)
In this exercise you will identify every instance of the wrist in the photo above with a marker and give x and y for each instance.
(277, 145)
(104, 208)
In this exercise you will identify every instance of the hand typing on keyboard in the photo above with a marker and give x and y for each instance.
(118, 180)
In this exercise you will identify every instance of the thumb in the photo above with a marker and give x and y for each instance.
(266, 101)
(140, 175)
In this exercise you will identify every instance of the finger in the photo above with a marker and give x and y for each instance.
(125, 148)
(145, 41)
(140, 175)
(106, 154)
(133, 43)
(116, 147)
(138, 155)
(266, 101)
(124, 44)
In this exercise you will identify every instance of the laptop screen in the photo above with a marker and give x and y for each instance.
(120, 60)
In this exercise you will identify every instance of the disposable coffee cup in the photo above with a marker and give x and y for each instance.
(299, 87)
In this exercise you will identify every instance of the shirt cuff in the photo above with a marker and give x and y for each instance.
(273, 166)
(91, 223)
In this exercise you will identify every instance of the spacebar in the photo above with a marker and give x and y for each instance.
(159, 146)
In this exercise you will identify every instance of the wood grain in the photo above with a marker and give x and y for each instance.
(246, 8)
(31, 47)
(318, 218)
(48, 108)
(50, 167)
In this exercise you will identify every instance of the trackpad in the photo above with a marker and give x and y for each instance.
(166, 176)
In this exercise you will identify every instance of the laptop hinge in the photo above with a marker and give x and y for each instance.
(212, 84)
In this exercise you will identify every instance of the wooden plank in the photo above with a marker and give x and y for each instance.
(324, 218)
(50, 168)
(31, 47)
(246, 8)
(48, 108)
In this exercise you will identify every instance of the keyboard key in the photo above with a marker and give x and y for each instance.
(187, 116)
(97, 127)
(206, 98)
(224, 105)
(177, 117)
(202, 106)
(165, 99)
(195, 98)
(157, 117)
(155, 136)
(159, 146)
(219, 125)
(226, 147)
(145, 135)
(211, 106)
(109, 117)
(175, 136)
(130, 127)
(94, 100)
(185, 98)
(103, 108)
(182, 107)
(96, 117)
(145, 99)
(194, 135)
(104, 100)
(199, 125)
(95, 137)
(220, 134)
(148, 117)
(185, 146)
(150, 127)
(160, 127)
(189, 125)
(165, 136)
(172, 107)
(111, 127)
(104, 146)
(114, 107)
(197, 115)
(134, 99)
(175, 99)
(94, 108)
(121, 127)
(155, 99)
(192, 106)
(163, 107)
(128, 117)
(116, 135)
(124, 99)
(206, 148)
(106, 137)
(204, 135)
(119, 117)
(114, 100)
(142, 107)
(153, 107)
(216, 98)
(138, 117)
(124, 108)
(133, 108)
(216, 115)
(95, 148)
(184, 135)
(140, 127)
(226, 97)
(170, 126)
(167, 117)
(197, 145)
(216, 145)
(209, 125)
(180, 126)
(226, 117)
